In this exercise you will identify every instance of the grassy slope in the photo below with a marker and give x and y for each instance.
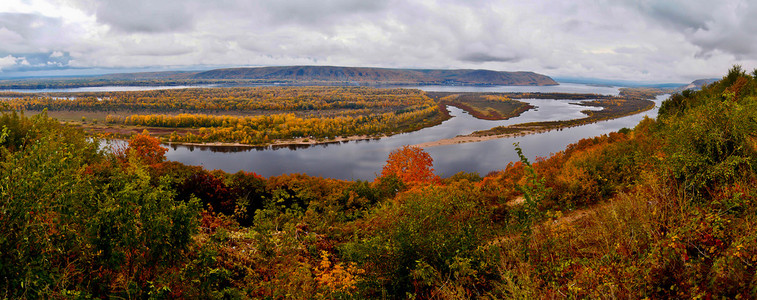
(671, 207)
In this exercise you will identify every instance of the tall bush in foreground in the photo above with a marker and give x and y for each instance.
(430, 237)
(710, 138)
(66, 231)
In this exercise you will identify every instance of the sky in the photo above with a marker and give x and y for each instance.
(634, 40)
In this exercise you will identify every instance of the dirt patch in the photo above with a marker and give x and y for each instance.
(517, 201)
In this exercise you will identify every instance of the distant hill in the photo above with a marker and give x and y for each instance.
(329, 74)
(295, 75)
(653, 91)
(697, 84)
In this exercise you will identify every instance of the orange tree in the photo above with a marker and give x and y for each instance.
(147, 148)
(411, 165)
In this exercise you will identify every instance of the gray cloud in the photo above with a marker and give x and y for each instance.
(144, 16)
(319, 12)
(686, 15)
(159, 45)
(725, 26)
(479, 57)
(22, 32)
(634, 40)
(149, 16)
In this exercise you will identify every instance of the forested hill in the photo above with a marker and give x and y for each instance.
(292, 75)
(379, 75)
(697, 84)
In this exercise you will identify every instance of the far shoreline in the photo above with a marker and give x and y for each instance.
(283, 143)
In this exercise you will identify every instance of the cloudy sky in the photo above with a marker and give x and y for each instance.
(637, 40)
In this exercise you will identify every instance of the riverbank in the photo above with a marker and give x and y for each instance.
(286, 143)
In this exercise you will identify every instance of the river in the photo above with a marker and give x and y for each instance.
(365, 159)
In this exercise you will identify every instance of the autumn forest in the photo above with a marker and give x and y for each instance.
(261, 116)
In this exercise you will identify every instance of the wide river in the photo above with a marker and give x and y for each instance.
(365, 159)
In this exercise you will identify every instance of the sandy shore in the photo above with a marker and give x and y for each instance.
(462, 139)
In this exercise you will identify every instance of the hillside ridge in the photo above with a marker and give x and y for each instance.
(379, 75)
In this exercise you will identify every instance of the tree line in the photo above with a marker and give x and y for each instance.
(263, 129)
(226, 99)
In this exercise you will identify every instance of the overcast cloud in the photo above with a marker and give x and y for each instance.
(646, 40)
